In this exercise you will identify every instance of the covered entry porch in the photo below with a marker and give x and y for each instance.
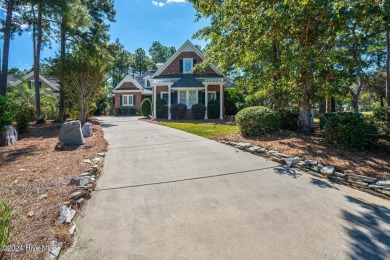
(189, 92)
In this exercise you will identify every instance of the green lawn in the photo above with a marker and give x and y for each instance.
(204, 130)
(367, 113)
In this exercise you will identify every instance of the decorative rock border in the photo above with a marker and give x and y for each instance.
(85, 184)
(349, 178)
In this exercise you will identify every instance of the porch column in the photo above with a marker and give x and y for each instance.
(169, 101)
(206, 99)
(154, 102)
(221, 95)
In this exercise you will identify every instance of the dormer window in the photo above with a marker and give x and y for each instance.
(187, 65)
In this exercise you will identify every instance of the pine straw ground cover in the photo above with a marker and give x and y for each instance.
(34, 179)
(374, 162)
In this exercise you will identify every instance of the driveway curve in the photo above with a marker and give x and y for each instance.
(167, 194)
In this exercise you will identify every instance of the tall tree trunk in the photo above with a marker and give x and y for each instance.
(61, 111)
(277, 76)
(37, 62)
(328, 105)
(332, 105)
(304, 111)
(7, 39)
(355, 103)
(387, 68)
(322, 107)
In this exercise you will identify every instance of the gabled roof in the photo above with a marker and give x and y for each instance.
(187, 80)
(187, 46)
(49, 81)
(146, 74)
(129, 80)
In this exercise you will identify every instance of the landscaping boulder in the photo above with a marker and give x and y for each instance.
(327, 170)
(9, 136)
(87, 130)
(70, 133)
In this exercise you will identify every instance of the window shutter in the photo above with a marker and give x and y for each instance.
(134, 100)
(194, 62)
(218, 96)
(120, 100)
(173, 98)
(181, 65)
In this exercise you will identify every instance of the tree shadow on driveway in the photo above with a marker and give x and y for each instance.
(287, 171)
(370, 238)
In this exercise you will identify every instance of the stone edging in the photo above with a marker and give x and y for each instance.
(371, 185)
(85, 184)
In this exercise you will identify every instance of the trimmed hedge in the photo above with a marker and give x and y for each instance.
(257, 120)
(146, 107)
(213, 109)
(178, 111)
(117, 111)
(348, 130)
(326, 116)
(198, 111)
(381, 116)
(161, 108)
(288, 119)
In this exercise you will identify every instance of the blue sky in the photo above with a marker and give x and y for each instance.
(138, 24)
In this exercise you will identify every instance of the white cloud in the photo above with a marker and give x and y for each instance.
(176, 1)
(160, 4)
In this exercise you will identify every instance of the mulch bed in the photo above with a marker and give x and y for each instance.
(374, 162)
(34, 179)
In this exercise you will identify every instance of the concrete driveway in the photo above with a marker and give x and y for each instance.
(167, 194)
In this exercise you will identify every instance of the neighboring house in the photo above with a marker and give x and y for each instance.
(50, 84)
(131, 91)
(176, 82)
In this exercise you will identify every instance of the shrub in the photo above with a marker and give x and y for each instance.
(23, 117)
(288, 119)
(178, 111)
(257, 120)
(198, 111)
(213, 109)
(6, 114)
(326, 116)
(161, 108)
(381, 116)
(124, 111)
(117, 111)
(348, 130)
(132, 111)
(146, 107)
(5, 226)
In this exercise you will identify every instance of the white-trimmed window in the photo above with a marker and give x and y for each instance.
(164, 95)
(147, 83)
(188, 63)
(212, 95)
(128, 100)
(182, 97)
(188, 97)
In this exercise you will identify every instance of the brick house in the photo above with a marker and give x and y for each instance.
(130, 92)
(176, 82)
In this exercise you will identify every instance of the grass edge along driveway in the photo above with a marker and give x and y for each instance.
(203, 129)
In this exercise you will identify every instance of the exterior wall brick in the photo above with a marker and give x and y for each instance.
(160, 89)
(128, 85)
(213, 88)
(138, 99)
(174, 67)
